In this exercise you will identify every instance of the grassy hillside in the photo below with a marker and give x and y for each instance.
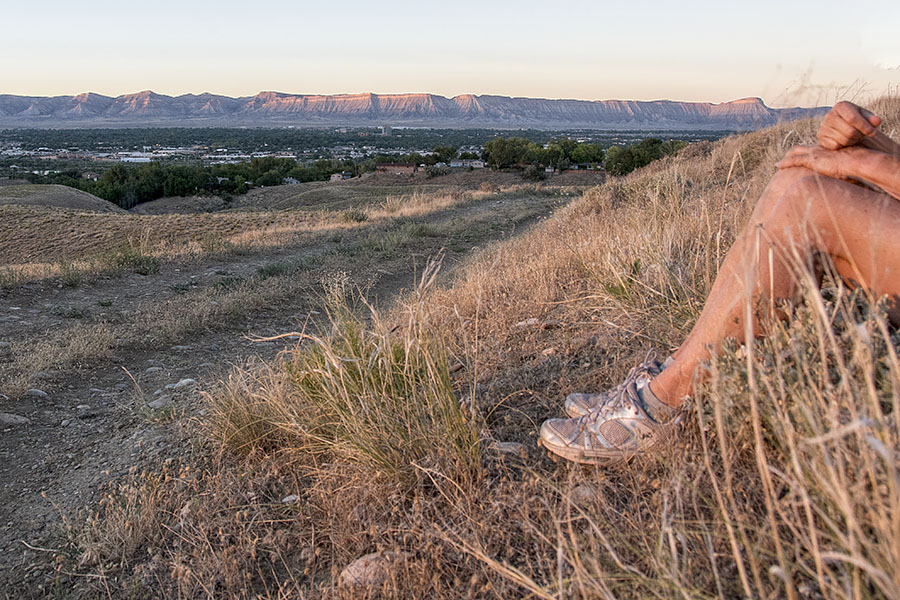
(268, 217)
(58, 196)
(412, 434)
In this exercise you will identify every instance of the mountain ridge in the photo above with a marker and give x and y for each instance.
(147, 108)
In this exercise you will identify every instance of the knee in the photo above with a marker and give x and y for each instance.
(798, 217)
(806, 197)
(782, 185)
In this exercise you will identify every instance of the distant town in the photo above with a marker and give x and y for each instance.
(92, 151)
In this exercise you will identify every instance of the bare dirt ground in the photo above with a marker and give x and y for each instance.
(104, 374)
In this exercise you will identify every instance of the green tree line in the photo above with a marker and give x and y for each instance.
(562, 152)
(621, 160)
(129, 185)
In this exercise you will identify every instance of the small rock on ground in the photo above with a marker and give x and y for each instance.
(35, 393)
(584, 494)
(184, 383)
(160, 402)
(510, 448)
(11, 419)
(371, 570)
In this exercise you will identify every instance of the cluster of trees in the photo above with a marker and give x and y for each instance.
(503, 152)
(621, 160)
(440, 154)
(560, 153)
(127, 185)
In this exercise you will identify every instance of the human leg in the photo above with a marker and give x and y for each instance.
(799, 216)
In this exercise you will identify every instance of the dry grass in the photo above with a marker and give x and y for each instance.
(96, 242)
(58, 196)
(361, 394)
(79, 345)
(784, 482)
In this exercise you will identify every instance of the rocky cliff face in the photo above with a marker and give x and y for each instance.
(274, 108)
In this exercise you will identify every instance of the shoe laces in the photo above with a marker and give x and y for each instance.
(626, 393)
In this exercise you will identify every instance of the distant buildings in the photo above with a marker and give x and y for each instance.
(466, 163)
(135, 157)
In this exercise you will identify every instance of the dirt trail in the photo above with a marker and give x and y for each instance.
(92, 422)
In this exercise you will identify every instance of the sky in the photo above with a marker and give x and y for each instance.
(787, 52)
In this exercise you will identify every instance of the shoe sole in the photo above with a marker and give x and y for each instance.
(578, 455)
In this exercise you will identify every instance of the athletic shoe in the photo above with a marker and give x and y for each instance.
(630, 422)
(578, 405)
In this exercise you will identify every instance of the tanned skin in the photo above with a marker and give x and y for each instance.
(840, 198)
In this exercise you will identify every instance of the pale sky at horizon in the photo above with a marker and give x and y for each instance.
(788, 53)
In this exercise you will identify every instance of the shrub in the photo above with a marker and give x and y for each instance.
(133, 258)
(378, 399)
(354, 215)
(70, 275)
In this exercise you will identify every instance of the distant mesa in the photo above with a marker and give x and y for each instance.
(147, 108)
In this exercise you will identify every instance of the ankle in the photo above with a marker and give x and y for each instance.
(664, 395)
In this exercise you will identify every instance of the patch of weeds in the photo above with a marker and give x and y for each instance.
(133, 258)
(72, 312)
(10, 277)
(417, 229)
(228, 282)
(70, 275)
(624, 288)
(216, 244)
(375, 395)
(348, 249)
(353, 215)
(385, 243)
(104, 302)
(182, 287)
(212, 244)
(237, 248)
(275, 269)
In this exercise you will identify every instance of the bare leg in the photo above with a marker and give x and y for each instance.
(800, 213)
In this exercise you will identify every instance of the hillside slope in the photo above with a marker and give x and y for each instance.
(56, 196)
